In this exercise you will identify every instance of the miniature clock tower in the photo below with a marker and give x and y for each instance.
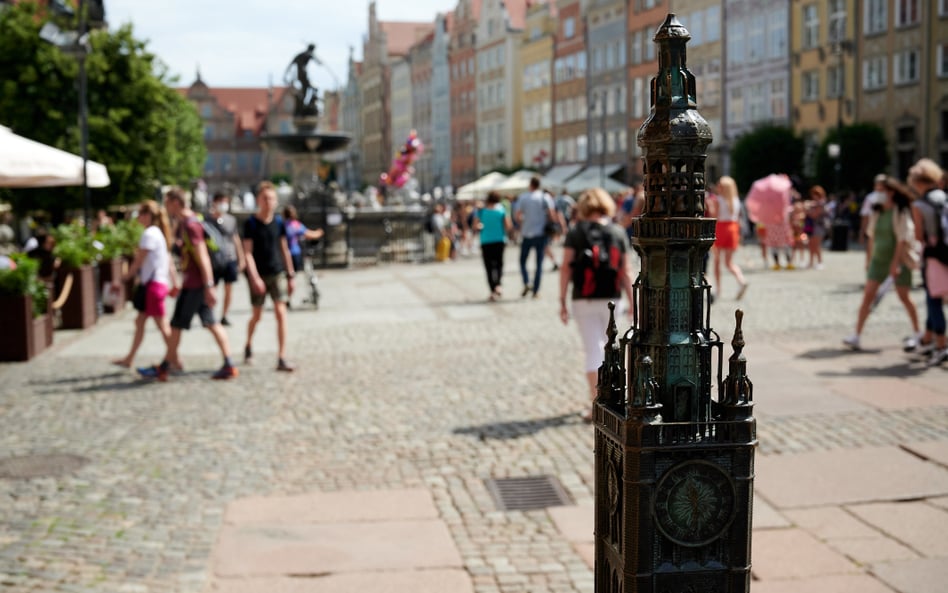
(674, 467)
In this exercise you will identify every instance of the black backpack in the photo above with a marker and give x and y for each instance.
(596, 267)
(939, 250)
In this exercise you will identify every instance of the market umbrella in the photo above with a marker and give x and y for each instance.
(27, 163)
(769, 199)
(480, 187)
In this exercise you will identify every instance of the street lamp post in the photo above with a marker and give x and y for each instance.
(77, 43)
(840, 47)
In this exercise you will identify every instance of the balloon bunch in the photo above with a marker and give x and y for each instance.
(401, 169)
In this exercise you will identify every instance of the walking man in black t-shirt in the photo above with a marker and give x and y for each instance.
(269, 269)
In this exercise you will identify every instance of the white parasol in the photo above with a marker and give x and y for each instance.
(27, 163)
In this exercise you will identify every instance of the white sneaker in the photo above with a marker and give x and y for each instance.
(924, 349)
(911, 343)
(938, 357)
(852, 341)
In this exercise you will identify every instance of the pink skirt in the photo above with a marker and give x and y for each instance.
(155, 293)
(779, 235)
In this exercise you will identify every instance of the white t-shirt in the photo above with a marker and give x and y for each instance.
(155, 265)
(872, 198)
(724, 210)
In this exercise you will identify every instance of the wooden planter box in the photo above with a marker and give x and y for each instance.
(111, 271)
(23, 336)
(79, 310)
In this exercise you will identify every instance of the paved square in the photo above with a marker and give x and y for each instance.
(847, 476)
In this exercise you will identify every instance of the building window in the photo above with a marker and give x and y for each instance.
(635, 56)
(757, 103)
(206, 110)
(906, 67)
(811, 85)
(778, 99)
(735, 106)
(620, 51)
(755, 39)
(735, 45)
(874, 73)
(637, 98)
(811, 26)
(776, 34)
(876, 16)
(649, 51)
(906, 13)
(834, 82)
(941, 61)
(695, 24)
(837, 21)
(712, 24)
(569, 28)
(943, 11)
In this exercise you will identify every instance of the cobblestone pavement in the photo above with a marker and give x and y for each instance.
(407, 378)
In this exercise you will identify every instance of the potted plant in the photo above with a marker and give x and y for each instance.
(117, 245)
(24, 310)
(76, 253)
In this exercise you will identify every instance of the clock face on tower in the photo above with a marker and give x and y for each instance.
(694, 503)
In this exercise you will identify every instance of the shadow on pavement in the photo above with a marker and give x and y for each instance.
(901, 370)
(828, 353)
(517, 429)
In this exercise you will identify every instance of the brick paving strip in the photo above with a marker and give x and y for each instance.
(411, 382)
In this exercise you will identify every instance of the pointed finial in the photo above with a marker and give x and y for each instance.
(611, 330)
(737, 342)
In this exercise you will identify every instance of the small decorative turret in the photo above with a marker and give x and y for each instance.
(737, 392)
(611, 389)
(644, 396)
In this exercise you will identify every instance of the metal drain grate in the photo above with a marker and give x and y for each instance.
(527, 494)
(40, 466)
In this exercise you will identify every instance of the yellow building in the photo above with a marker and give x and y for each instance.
(536, 58)
(822, 68)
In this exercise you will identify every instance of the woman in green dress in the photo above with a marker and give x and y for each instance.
(889, 252)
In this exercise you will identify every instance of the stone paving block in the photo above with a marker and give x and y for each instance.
(766, 517)
(587, 552)
(846, 476)
(413, 581)
(940, 502)
(889, 393)
(575, 523)
(794, 554)
(921, 526)
(333, 507)
(790, 393)
(264, 550)
(823, 584)
(870, 550)
(934, 451)
(830, 523)
(924, 575)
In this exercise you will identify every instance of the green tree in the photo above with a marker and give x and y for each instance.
(863, 154)
(765, 150)
(143, 130)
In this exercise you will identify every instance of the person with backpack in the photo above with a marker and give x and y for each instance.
(532, 210)
(231, 252)
(595, 262)
(930, 214)
(269, 269)
(196, 295)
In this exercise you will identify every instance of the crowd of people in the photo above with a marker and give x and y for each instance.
(901, 224)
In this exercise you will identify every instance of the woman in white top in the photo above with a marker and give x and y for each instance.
(727, 232)
(155, 272)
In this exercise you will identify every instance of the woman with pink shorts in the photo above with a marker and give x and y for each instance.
(153, 266)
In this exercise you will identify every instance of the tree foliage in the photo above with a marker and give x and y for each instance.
(765, 150)
(863, 154)
(143, 130)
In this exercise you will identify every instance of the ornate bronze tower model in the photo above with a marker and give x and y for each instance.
(674, 467)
